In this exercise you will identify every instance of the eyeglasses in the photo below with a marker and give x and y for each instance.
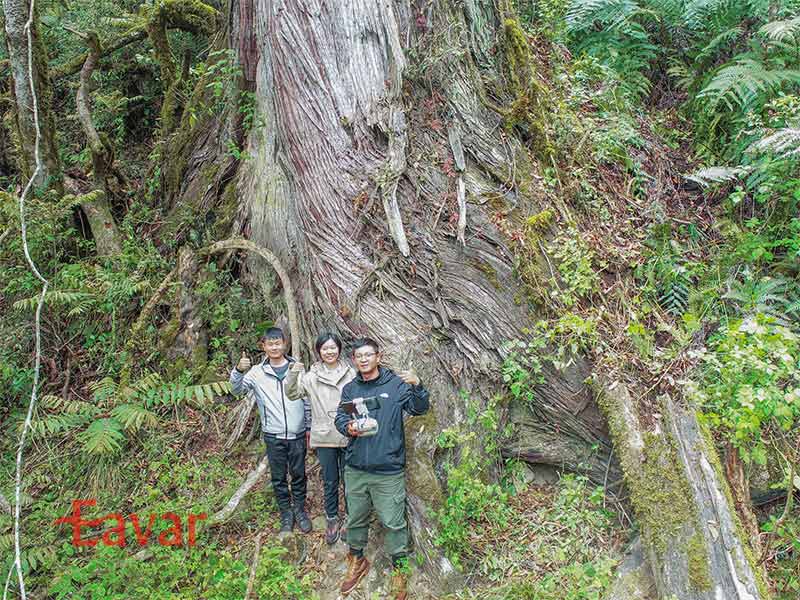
(364, 355)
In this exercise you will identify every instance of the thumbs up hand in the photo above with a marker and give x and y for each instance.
(244, 364)
(409, 376)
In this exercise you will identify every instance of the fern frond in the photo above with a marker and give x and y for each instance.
(719, 41)
(58, 424)
(698, 13)
(784, 143)
(194, 395)
(711, 175)
(148, 381)
(584, 14)
(736, 84)
(768, 295)
(103, 437)
(104, 389)
(674, 291)
(781, 31)
(81, 307)
(53, 298)
(72, 407)
(134, 417)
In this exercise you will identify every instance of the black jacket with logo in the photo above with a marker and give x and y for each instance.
(386, 397)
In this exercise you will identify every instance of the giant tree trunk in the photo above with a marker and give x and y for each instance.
(16, 16)
(347, 184)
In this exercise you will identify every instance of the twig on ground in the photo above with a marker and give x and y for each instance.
(253, 568)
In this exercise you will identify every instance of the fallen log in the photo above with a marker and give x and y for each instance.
(692, 537)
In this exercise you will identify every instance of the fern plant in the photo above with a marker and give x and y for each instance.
(784, 143)
(769, 296)
(615, 33)
(737, 85)
(103, 426)
(674, 291)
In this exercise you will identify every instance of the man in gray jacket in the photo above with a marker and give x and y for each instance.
(285, 425)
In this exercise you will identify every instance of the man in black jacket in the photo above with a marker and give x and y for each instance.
(375, 461)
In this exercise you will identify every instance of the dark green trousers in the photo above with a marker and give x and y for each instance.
(387, 495)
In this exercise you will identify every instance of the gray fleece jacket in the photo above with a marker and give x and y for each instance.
(280, 417)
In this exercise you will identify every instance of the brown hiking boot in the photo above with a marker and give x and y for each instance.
(399, 589)
(356, 569)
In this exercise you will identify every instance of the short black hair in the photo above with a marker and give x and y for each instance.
(326, 336)
(273, 333)
(364, 341)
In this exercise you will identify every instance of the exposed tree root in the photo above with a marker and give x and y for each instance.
(252, 478)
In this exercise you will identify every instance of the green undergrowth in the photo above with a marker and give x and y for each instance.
(180, 472)
(784, 563)
(534, 541)
(558, 542)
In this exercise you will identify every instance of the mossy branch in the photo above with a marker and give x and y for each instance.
(216, 248)
(82, 99)
(95, 205)
(75, 64)
(274, 261)
(188, 15)
(194, 17)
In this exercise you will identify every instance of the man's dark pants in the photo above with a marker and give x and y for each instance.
(283, 456)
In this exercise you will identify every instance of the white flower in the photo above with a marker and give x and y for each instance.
(792, 396)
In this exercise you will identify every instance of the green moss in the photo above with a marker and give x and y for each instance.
(489, 271)
(209, 172)
(518, 58)
(540, 221)
(660, 492)
(190, 15)
(661, 484)
(699, 573)
(226, 213)
(169, 332)
(526, 111)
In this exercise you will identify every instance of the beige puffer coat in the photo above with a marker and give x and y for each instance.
(323, 388)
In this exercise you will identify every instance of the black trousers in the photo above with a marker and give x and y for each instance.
(331, 462)
(283, 456)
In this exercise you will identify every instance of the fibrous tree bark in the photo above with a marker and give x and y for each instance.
(16, 16)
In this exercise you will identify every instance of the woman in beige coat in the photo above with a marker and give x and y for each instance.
(322, 384)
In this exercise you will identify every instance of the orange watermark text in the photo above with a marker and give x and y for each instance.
(115, 536)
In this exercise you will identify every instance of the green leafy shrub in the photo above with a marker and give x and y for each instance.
(472, 502)
(574, 268)
(278, 579)
(113, 574)
(750, 384)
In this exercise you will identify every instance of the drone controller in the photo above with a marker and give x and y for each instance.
(365, 425)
